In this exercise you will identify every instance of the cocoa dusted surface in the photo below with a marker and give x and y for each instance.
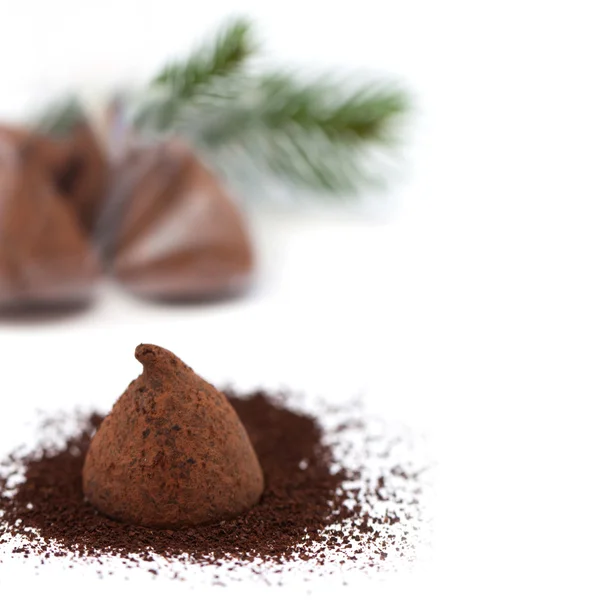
(172, 452)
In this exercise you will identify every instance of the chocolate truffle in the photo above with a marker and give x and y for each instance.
(172, 452)
(81, 173)
(171, 230)
(44, 254)
(76, 164)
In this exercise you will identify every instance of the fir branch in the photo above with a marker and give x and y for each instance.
(313, 134)
(226, 55)
(60, 116)
(309, 162)
(363, 114)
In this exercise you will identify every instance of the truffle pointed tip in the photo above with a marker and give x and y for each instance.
(159, 361)
(142, 350)
(149, 353)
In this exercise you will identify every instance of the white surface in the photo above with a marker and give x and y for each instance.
(473, 313)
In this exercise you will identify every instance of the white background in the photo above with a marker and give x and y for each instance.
(468, 307)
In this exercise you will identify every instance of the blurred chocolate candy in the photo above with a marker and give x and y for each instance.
(76, 163)
(82, 173)
(170, 231)
(45, 256)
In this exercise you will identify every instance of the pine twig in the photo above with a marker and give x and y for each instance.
(316, 134)
(226, 55)
(313, 134)
(363, 114)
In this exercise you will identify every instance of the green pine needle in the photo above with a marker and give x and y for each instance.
(363, 114)
(316, 134)
(226, 55)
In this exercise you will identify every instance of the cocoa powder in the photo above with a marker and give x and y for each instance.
(314, 512)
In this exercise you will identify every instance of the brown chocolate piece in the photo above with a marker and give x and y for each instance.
(172, 452)
(77, 165)
(82, 174)
(44, 254)
(51, 153)
(171, 230)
